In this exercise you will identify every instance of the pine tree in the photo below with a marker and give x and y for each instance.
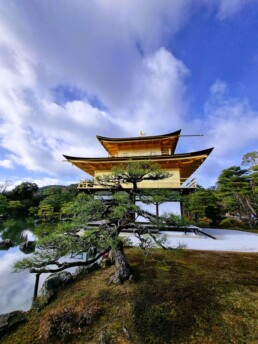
(114, 215)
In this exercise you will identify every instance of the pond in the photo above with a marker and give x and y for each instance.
(16, 289)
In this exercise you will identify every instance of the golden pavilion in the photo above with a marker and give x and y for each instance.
(159, 149)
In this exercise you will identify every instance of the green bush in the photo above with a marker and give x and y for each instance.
(230, 222)
(204, 222)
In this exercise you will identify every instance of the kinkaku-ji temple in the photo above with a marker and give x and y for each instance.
(159, 149)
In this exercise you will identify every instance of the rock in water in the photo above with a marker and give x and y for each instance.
(5, 244)
(27, 246)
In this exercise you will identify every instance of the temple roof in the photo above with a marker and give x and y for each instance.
(167, 142)
(186, 162)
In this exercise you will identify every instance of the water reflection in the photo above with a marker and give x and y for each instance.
(28, 235)
(16, 230)
(16, 289)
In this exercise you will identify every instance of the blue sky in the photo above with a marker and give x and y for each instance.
(71, 70)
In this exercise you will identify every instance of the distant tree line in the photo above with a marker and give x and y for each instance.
(28, 200)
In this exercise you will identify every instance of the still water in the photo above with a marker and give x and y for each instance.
(16, 288)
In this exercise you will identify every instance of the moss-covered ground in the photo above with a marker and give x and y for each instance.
(196, 297)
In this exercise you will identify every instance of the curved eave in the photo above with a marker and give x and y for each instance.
(112, 145)
(187, 162)
(140, 158)
(138, 138)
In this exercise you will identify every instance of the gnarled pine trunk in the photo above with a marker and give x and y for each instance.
(123, 270)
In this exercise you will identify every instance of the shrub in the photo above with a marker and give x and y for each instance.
(204, 222)
(230, 222)
(63, 324)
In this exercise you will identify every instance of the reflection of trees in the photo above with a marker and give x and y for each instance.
(44, 229)
(14, 230)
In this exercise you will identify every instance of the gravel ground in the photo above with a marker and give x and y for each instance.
(226, 240)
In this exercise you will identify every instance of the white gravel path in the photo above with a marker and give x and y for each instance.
(226, 240)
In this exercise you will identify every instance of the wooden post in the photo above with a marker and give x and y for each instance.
(181, 209)
(36, 286)
(157, 209)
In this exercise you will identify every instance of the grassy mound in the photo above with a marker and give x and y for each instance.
(197, 297)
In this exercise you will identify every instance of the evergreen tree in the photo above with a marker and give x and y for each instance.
(235, 190)
(203, 203)
(54, 198)
(250, 159)
(25, 190)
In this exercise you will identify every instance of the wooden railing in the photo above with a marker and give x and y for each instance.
(191, 184)
(84, 184)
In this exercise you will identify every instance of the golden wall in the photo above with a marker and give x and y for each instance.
(140, 152)
(171, 182)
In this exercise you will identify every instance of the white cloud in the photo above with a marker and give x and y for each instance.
(109, 51)
(227, 8)
(6, 163)
(40, 182)
(43, 181)
(122, 65)
(230, 125)
(159, 94)
(97, 45)
(219, 87)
